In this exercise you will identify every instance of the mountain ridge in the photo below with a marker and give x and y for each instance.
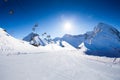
(104, 40)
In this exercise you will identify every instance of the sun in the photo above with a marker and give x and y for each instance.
(67, 26)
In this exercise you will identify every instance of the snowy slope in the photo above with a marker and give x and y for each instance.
(10, 45)
(60, 65)
(82, 47)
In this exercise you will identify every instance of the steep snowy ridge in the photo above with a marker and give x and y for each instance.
(10, 45)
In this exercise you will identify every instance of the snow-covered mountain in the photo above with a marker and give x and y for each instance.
(34, 39)
(74, 40)
(104, 40)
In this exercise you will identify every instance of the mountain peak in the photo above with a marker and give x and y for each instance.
(67, 35)
(34, 39)
(103, 27)
(30, 36)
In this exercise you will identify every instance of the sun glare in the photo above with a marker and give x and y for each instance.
(67, 26)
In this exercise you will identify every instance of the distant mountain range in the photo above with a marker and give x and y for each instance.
(104, 40)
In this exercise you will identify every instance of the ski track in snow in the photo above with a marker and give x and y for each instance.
(57, 65)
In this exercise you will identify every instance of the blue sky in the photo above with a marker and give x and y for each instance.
(50, 15)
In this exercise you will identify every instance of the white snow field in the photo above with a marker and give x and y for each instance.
(57, 65)
(21, 61)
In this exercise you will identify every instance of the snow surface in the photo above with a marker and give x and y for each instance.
(57, 65)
